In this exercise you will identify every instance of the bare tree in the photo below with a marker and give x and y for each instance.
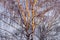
(26, 16)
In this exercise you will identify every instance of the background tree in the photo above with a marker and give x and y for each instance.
(30, 19)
